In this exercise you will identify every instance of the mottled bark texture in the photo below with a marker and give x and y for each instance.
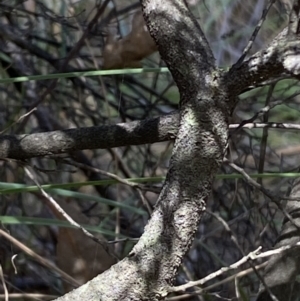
(281, 272)
(198, 152)
(208, 96)
(151, 130)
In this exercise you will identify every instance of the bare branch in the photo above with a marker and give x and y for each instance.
(181, 42)
(58, 142)
(200, 144)
(279, 58)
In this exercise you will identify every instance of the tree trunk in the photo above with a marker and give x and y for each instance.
(198, 152)
(208, 96)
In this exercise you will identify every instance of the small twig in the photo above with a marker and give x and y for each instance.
(272, 125)
(100, 171)
(251, 182)
(254, 255)
(144, 201)
(226, 280)
(236, 286)
(228, 229)
(275, 198)
(65, 63)
(262, 111)
(43, 261)
(115, 177)
(254, 34)
(29, 296)
(19, 120)
(223, 270)
(122, 240)
(234, 239)
(13, 263)
(3, 283)
(68, 217)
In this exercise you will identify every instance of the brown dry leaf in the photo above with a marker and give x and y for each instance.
(78, 255)
(130, 50)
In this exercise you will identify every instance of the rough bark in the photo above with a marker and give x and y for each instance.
(208, 96)
(106, 136)
(198, 152)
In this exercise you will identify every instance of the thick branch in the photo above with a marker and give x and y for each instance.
(105, 136)
(280, 58)
(152, 130)
(181, 42)
(197, 155)
(208, 98)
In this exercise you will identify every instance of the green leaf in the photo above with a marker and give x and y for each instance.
(36, 221)
(83, 73)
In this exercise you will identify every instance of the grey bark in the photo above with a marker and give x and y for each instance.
(281, 272)
(201, 141)
(208, 96)
(106, 136)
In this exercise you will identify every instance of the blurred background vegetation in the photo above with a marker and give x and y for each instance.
(45, 37)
